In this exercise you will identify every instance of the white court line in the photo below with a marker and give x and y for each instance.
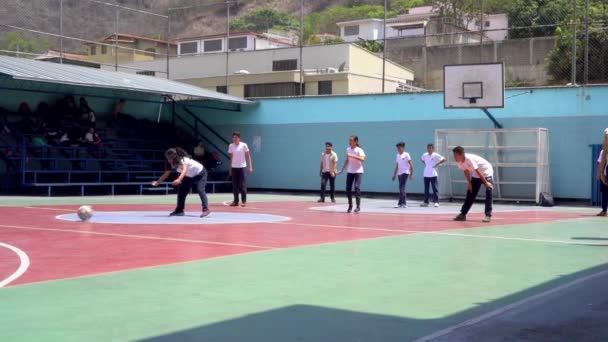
(499, 311)
(24, 263)
(441, 233)
(143, 237)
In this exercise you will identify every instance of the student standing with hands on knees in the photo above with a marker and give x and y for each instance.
(329, 166)
(404, 170)
(478, 172)
(355, 156)
(431, 161)
(239, 159)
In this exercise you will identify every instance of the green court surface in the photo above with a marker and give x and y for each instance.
(388, 288)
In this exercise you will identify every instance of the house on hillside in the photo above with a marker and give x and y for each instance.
(327, 70)
(424, 26)
(147, 49)
(237, 41)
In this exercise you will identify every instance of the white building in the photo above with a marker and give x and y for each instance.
(424, 21)
(327, 70)
(240, 41)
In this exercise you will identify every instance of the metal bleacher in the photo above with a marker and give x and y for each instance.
(120, 165)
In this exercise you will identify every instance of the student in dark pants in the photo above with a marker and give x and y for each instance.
(431, 161)
(191, 173)
(355, 156)
(240, 159)
(478, 172)
(603, 178)
(329, 166)
(602, 174)
(404, 170)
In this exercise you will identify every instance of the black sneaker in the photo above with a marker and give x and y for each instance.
(177, 213)
(333, 200)
(205, 213)
(460, 217)
(357, 209)
(321, 201)
(350, 209)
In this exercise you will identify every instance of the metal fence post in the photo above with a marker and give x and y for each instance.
(301, 48)
(116, 27)
(228, 3)
(61, 31)
(586, 56)
(573, 65)
(168, 37)
(384, 47)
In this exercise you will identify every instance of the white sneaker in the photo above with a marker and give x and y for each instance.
(487, 219)
(436, 205)
(404, 206)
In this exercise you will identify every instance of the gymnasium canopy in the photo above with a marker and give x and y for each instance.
(47, 77)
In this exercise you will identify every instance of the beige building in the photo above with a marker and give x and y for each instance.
(327, 70)
(148, 49)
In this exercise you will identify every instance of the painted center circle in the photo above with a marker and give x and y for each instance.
(162, 217)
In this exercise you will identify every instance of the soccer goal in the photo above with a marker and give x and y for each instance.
(520, 158)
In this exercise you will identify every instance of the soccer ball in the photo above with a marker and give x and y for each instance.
(85, 212)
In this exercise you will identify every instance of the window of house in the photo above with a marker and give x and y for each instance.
(150, 52)
(325, 87)
(487, 24)
(104, 50)
(237, 43)
(351, 30)
(146, 73)
(222, 89)
(212, 45)
(285, 65)
(93, 50)
(188, 48)
(273, 89)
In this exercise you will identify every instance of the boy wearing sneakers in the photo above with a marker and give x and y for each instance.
(477, 171)
(431, 161)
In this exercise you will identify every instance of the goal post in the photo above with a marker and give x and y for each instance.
(520, 158)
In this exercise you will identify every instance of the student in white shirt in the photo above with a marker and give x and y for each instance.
(602, 174)
(355, 156)
(240, 158)
(431, 161)
(329, 166)
(477, 171)
(404, 170)
(191, 173)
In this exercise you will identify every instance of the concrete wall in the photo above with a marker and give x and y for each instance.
(293, 132)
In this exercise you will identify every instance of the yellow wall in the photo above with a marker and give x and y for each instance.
(366, 63)
(129, 56)
(363, 84)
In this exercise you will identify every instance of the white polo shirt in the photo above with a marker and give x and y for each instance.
(403, 163)
(474, 162)
(599, 160)
(430, 162)
(327, 160)
(238, 154)
(193, 168)
(355, 165)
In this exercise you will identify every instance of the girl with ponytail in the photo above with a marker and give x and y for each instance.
(602, 174)
(191, 173)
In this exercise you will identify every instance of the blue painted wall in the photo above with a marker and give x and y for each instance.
(293, 131)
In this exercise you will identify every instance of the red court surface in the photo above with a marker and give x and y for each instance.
(62, 249)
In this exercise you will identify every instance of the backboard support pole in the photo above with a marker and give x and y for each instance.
(492, 118)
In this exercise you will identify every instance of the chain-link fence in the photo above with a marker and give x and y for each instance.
(257, 48)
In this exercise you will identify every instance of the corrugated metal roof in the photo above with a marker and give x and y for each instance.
(38, 71)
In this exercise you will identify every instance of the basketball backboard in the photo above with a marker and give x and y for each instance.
(474, 86)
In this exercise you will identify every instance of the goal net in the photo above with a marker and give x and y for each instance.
(520, 158)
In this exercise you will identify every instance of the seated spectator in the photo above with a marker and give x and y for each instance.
(42, 114)
(93, 142)
(87, 115)
(4, 129)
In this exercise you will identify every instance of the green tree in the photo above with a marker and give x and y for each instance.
(15, 41)
(371, 45)
(559, 61)
(537, 18)
(264, 19)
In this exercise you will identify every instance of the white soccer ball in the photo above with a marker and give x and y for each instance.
(85, 212)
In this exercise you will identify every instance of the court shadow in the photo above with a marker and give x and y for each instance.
(590, 238)
(299, 323)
